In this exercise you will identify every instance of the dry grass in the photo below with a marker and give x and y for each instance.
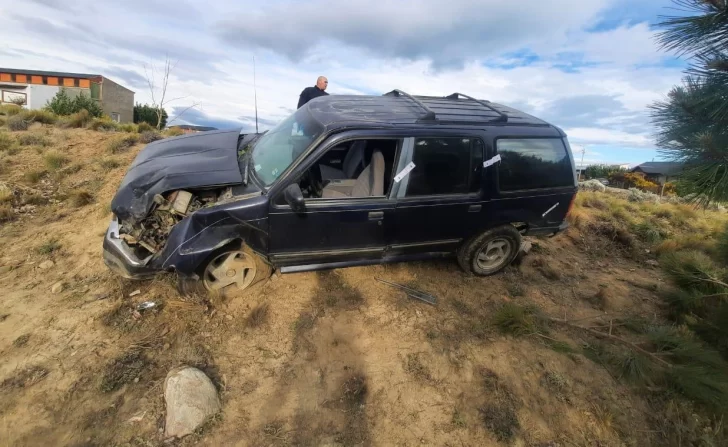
(150, 136)
(108, 164)
(50, 246)
(80, 198)
(6, 213)
(34, 139)
(258, 316)
(121, 144)
(6, 141)
(16, 123)
(33, 177)
(54, 160)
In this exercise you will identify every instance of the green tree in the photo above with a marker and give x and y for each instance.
(692, 123)
(62, 104)
(148, 114)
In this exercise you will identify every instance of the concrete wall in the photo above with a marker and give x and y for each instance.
(117, 99)
(39, 95)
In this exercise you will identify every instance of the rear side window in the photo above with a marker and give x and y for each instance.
(445, 166)
(533, 163)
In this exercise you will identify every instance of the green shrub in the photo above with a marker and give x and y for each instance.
(150, 136)
(33, 176)
(516, 320)
(17, 123)
(120, 144)
(693, 271)
(79, 119)
(54, 160)
(63, 105)
(6, 142)
(148, 114)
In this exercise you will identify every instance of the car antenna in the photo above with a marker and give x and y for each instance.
(255, 96)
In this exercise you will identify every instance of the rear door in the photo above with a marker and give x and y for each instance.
(440, 200)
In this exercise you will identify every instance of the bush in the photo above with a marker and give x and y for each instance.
(173, 132)
(54, 160)
(79, 119)
(33, 176)
(131, 128)
(120, 144)
(38, 116)
(150, 136)
(145, 127)
(636, 195)
(10, 109)
(63, 105)
(33, 139)
(17, 123)
(103, 124)
(108, 164)
(148, 114)
(592, 185)
(6, 142)
(80, 198)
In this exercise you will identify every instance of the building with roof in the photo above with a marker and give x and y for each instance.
(660, 171)
(33, 89)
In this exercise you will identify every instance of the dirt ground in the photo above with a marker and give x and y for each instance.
(326, 358)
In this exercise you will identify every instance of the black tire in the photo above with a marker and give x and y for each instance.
(506, 242)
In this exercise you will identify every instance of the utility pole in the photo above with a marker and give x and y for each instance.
(583, 151)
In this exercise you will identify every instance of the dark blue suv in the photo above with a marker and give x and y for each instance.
(343, 181)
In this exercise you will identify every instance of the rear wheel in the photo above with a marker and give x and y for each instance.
(490, 252)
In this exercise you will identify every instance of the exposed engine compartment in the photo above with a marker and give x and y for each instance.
(150, 235)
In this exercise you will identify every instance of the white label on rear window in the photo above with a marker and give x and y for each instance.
(403, 173)
(492, 161)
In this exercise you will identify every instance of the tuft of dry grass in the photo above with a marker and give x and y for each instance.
(516, 320)
(54, 160)
(108, 164)
(25, 378)
(6, 193)
(258, 316)
(150, 136)
(80, 198)
(38, 116)
(16, 123)
(145, 127)
(6, 142)
(173, 132)
(123, 370)
(414, 366)
(33, 139)
(6, 213)
(10, 109)
(120, 144)
(50, 246)
(33, 177)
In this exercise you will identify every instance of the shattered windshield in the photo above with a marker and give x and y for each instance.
(279, 147)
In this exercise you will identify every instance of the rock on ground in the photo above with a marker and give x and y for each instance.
(57, 287)
(191, 398)
(46, 265)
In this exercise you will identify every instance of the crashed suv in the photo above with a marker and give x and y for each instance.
(344, 181)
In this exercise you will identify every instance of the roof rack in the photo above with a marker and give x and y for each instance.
(502, 117)
(429, 113)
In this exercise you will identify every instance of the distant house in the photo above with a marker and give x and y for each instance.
(660, 171)
(35, 88)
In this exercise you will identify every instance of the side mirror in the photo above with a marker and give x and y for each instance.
(294, 197)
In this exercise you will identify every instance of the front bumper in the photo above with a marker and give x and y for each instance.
(121, 259)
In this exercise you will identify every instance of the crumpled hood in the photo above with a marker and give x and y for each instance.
(190, 161)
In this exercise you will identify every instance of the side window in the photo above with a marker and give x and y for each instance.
(533, 163)
(445, 166)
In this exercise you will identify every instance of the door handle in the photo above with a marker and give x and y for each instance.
(376, 215)
(474, 208)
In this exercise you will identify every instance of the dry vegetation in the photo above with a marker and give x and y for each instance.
(601, 336)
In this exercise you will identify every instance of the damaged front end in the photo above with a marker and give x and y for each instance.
(178, 202)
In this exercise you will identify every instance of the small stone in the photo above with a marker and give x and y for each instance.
(190, 398)
(228, 317)
(45, 265)
(136, 379)
(652, 262)
(167, 346)
(57, 287)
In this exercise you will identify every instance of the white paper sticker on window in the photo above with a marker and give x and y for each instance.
(403, 173)
(492, 161)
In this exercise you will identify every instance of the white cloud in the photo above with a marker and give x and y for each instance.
(364, 48)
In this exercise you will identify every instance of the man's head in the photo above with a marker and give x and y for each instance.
(322, 82)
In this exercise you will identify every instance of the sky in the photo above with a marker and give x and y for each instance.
(591, 68)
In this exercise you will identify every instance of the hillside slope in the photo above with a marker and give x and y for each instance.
(329, 358)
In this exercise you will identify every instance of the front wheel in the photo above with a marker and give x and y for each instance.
(228, 272)
(491, 251)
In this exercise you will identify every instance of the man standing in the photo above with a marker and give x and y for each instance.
(313, 92)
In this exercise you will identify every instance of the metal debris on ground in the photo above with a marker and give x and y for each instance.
(413, 293)
(146, 305)
(135, 293)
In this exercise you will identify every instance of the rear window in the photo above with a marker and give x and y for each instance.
(533, 163)
(445, 166)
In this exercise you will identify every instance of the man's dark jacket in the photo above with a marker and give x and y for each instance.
(308, 94)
